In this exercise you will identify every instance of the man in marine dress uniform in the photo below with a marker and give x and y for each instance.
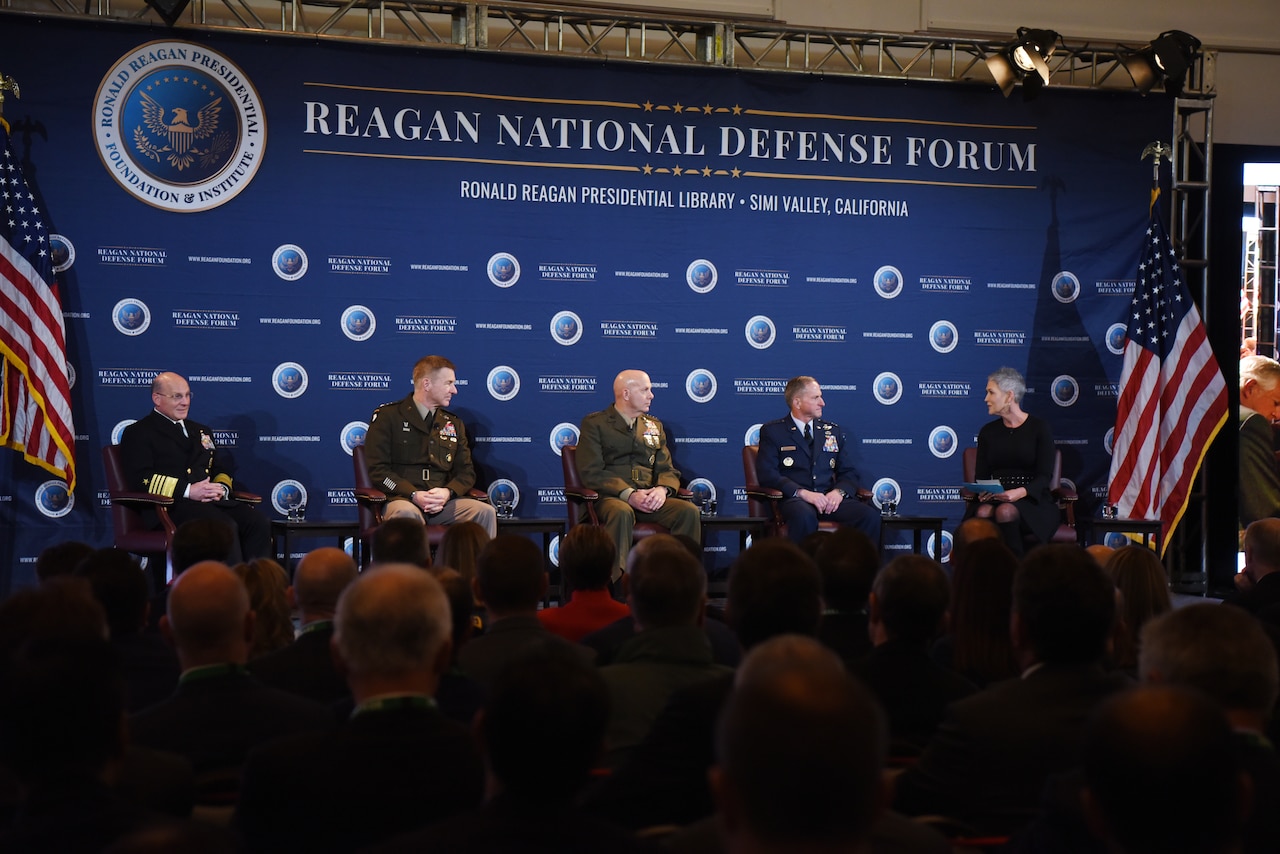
(167, 454)
(623, 455)
(417, 453)
(808, 459)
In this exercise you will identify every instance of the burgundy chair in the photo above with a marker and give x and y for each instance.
(370, 503)
(1066, 498)
(132, 532)
(767, 502)
(580, 502)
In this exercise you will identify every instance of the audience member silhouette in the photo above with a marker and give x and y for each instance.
(401, 540)
(61, 559)
(978, 647)
(269, 592)
(1140, 577)
(848, 561)
(667, 595)
(587, 559)
(398, 763)
(989, 760)
(148, 665)
(908, 608)
(305, 667)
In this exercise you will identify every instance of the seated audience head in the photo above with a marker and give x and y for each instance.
(269, 594)
(813, 717)
(208, 619)
(666, 585)
(587, 557)
(198, 540)
(774, 589)
(981, 601)
(1063, 607)
(61, 608)
(511, 577)
(61, 709)
(458, 591)
(909, 601)
(61, 559)
(548, 697)
(1147, 754)
(392, 631)
(1140, 577)
(460, 547)
(967, 533)
(120, 586)
(401, 539)
(318, 581)
(772, 658)
(1218, 652)
(848, 562)
(1262, 548)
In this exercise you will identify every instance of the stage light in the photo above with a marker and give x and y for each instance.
(170, 10)
(1167, 58)
(1025, 59)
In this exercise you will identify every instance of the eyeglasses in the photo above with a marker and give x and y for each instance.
(179, 395)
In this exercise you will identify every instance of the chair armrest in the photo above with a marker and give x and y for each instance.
(686, 494)
(246, 497)
(1064, 494)
(478, 495)
(863, 494)
(142, 498)
(764, 493)
(581, 493)
(369, 495)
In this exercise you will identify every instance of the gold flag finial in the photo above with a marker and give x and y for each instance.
(7, 82)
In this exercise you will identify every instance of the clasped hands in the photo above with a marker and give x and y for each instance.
(1010, 495)
(431, 501)
(827, 502)
(648, 500)
(206, 490)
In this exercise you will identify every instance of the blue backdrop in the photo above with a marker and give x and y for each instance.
(292, 224)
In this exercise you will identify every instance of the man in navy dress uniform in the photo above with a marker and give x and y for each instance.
(165, 453)
(809, 460)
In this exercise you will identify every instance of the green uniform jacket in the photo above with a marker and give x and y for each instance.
(405, 453)
(613, 457)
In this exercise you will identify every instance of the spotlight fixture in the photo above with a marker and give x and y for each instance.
(1029, 52)
(170, 10)
(1167, 58)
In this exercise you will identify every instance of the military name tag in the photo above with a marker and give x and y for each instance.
(786, 448)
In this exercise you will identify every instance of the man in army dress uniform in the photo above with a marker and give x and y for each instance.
(417, 453)
(809, 460)
(167, 454)
(623, 455)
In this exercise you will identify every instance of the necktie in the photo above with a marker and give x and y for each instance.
(182, 426)
(808, 436)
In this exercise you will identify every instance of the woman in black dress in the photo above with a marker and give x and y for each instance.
(1017, 450)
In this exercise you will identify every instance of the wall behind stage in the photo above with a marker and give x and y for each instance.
(342, 210)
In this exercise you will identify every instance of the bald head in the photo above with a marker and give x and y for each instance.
(392, 623)
(632, 393)
(208, 617)
(319, 580)
(1262, 547)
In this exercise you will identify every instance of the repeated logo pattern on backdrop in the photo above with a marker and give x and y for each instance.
(291, 226)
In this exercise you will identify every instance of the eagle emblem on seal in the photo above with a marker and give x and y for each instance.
(174, 138)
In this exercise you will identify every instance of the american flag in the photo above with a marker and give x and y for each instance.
(1173, 399)
(34, 389)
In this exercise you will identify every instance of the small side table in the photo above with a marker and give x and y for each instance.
(1150, 529)
(550, 529)
(287, 529)
(917, 525)
(746, 526)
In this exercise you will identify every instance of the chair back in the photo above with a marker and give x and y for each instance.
(756, 505)
(577, 509)
(369, 513)
(132, 530)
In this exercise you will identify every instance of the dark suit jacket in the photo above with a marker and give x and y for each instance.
(505, 640)
(607, 641)
(304, 668)
(1264, 594)
(913, 690)
(990, 758)
(509, 823)
(149, 667)
(381, 774)
(613, 457)
(784, 461)
(214, 721)
(1259, 485)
